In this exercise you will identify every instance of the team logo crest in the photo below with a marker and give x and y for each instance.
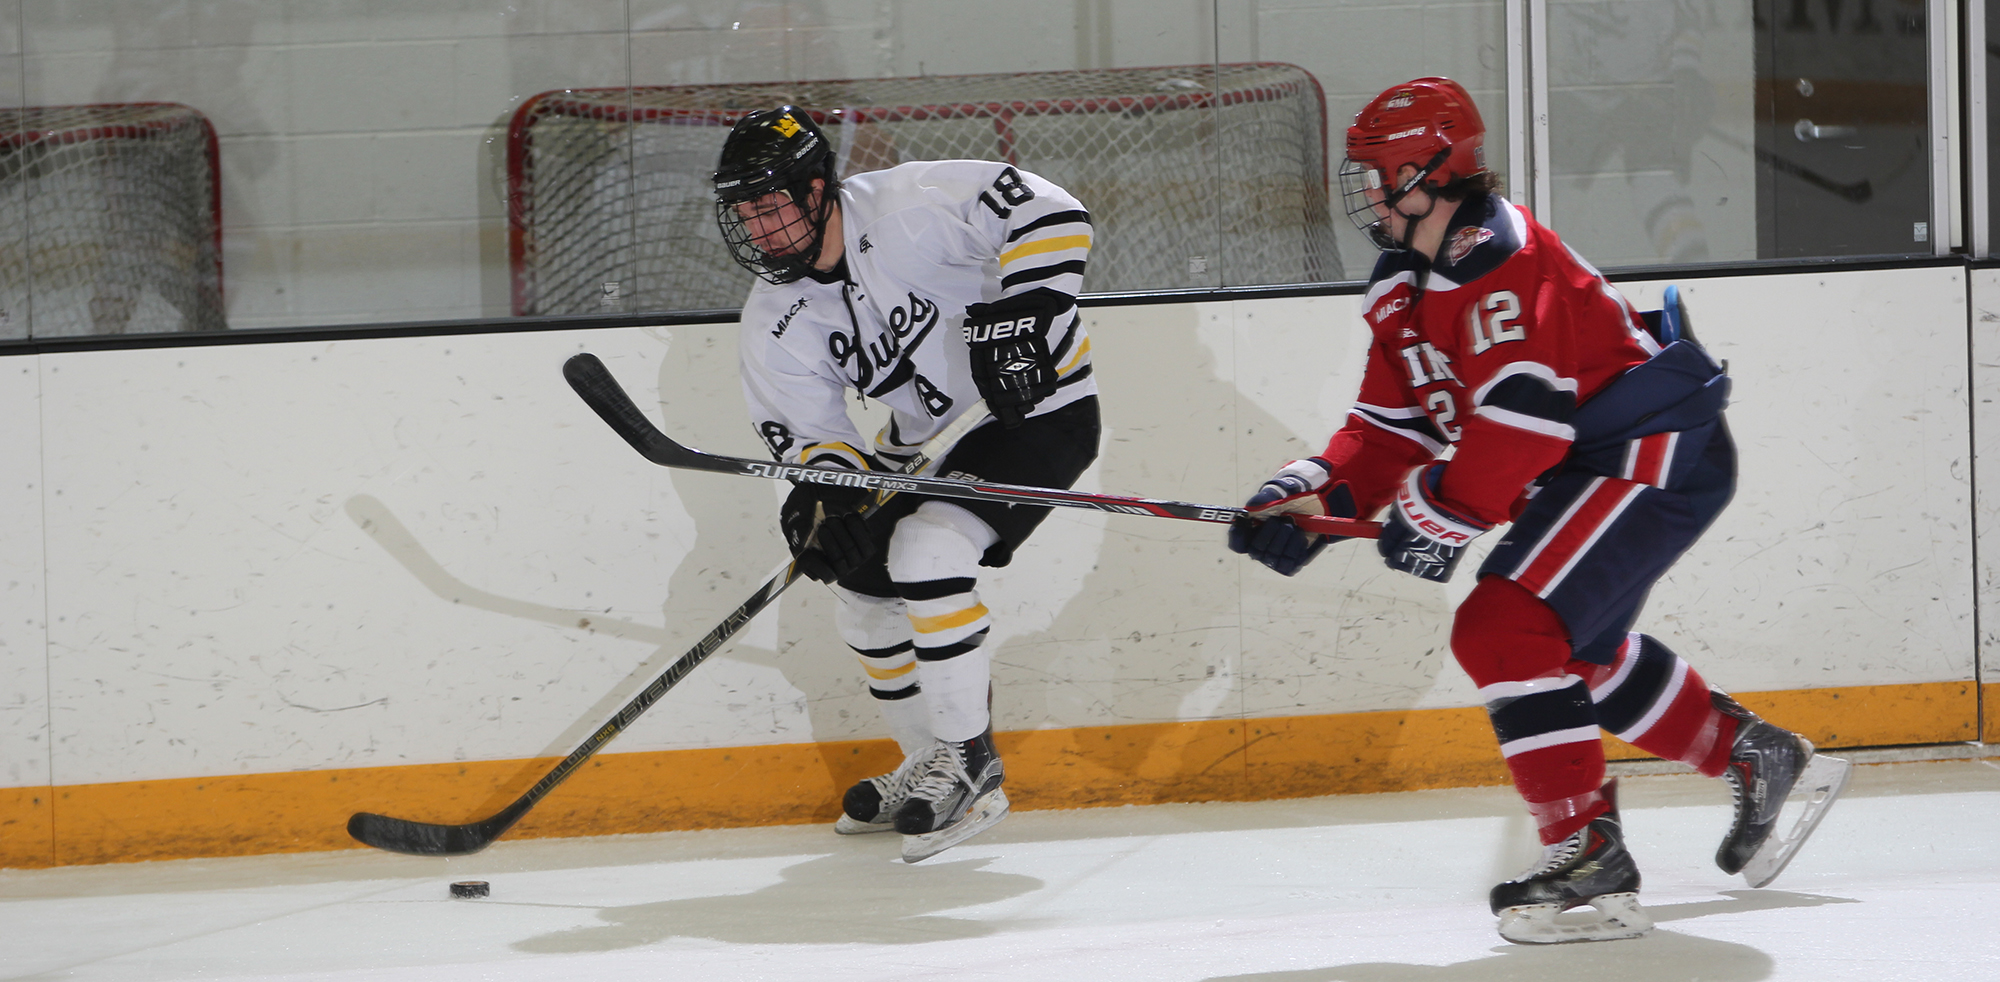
(786, 126)
(1401, 100)
(1465, 241)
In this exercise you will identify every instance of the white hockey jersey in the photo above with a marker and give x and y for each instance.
(923, 240)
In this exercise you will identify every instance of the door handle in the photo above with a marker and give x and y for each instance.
(1807, 132)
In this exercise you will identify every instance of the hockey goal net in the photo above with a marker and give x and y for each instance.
(1194, 176)
(110, 220)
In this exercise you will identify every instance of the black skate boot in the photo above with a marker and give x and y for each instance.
(956, 796)
(1767, 765)
(871, 804)
(1590, 868)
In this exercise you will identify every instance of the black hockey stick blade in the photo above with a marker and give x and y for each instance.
(591, 380)
(433, 839)
(427, 839)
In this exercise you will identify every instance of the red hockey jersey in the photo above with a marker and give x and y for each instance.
(1488, 355)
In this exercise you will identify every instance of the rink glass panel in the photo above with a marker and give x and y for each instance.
(1684, 132)
(362, 155)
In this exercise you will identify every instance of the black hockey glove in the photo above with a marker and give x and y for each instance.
(1300, 487)
(1009, 339)
(1422, 537)
(823, 526)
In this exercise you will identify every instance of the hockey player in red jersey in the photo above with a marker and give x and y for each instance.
(1596, 433)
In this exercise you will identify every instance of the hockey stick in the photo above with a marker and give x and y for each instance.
(591, 380)
(433, 839)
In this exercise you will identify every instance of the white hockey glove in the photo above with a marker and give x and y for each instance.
(1422, 537)
(1010, 351)
(1302, 487)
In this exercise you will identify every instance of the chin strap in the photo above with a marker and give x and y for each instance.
(1408, 243)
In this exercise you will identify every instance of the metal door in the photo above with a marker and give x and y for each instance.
(1842, 145)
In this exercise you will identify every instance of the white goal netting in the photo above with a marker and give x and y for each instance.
(1195, 176)
(109, 221)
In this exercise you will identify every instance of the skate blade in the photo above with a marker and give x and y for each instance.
(1608, 918)
(846, 825)
(1818, 786)
(985, 813)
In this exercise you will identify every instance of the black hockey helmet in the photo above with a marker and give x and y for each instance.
(775, 150)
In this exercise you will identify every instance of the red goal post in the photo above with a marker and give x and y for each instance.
(1194, 175)
(110, 220)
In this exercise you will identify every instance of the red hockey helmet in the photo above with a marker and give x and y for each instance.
(1429, 124)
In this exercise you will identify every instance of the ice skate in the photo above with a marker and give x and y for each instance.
(1590, 868)
(871, 804)
(956, 797)
(1768, 766)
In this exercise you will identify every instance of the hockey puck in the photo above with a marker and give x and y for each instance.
(469, 888)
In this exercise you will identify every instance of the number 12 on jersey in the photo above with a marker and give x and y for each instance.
(1489, 320)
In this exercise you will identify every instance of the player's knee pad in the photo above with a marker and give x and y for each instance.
(938, 541)
(878, 629)
(1503, 633)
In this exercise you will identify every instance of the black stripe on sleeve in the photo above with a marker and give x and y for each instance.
(1531, 396)
(1418, 428)
(1056, 218)
(1075, 376)
(1069, 338)
(1018, 277)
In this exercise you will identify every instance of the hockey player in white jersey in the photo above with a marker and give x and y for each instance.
(927, 286)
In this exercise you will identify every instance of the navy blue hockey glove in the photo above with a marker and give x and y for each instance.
(825, 530)
(1009, 340)
(1422, 537)
(1300, 487)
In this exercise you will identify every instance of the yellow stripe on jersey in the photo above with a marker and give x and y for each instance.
(886, 674)
(1039, 246)
(945, 622)
(813, 450)
(1075, 359)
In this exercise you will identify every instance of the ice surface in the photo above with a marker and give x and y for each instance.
(1901, 882)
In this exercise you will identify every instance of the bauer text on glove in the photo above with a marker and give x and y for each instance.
(1421, 536)
(1009, 342)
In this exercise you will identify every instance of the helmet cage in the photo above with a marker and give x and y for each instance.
(1429, 124)
(1369, 199)
(803, 229)
(775, 152)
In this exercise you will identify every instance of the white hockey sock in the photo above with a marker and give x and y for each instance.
(955, 690)
(953, 666)
(909, 719)
(878, 629)
(933, 558)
